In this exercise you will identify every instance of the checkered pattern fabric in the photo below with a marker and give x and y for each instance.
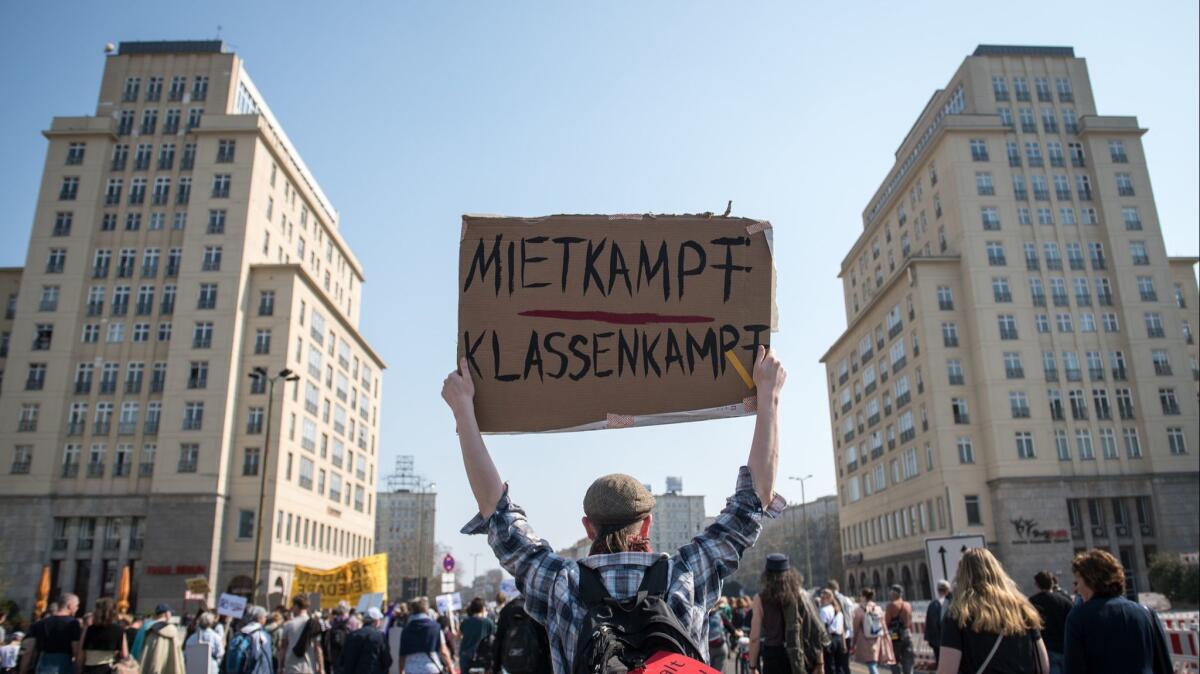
(550, 583)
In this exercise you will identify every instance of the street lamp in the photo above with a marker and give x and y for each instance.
(804, 524)
(260, 373)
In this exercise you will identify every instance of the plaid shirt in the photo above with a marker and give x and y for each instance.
(550, 583)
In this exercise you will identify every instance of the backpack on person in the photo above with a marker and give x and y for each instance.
(618, 636)
(804, 637)
(335, 640)
(239, 655)
(482, 657)
(524, 648)
(873, 621)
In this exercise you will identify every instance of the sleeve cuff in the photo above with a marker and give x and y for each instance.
(746, 494)
(479, 524)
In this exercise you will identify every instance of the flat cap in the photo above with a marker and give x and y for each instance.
(616, 500)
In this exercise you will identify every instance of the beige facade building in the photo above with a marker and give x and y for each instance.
(676, 517)
(1019, 360)
(404, 529)
(179, 242)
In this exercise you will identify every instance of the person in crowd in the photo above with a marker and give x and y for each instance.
(449, 633)
(534, 655)
(422, 648)
(162, 648)
(300, 642)
(990, 626)
(10, 653)
(1053, 605)
(617, 518)
(3, 627)
(477, 630)
(933, 618)
(54, 640)
(133, 627)
(139, 639)
(252, 643)
(366, 650)
(717, 639)
(103, 642)
(785, 632)
(847, 610)
(898, 617)
(205, 632)
(1107, 633)
(334, 639)
(833, 617)
(872, 644)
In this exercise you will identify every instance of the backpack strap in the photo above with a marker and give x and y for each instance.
(591, 587)
(655, 578)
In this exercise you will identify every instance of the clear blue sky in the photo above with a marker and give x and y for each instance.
(412, 113)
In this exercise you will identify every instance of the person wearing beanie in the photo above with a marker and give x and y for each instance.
(617, 518)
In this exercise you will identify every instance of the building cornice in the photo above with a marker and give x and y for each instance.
(333, 310)
(883, 290)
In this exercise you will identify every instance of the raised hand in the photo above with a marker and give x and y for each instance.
(769, 375)
(458, 390)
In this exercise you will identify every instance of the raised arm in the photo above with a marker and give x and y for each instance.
(459, 393)
(769, 376)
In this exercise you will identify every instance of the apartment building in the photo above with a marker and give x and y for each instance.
(179, 242)
(1019, 359)
(676, 518)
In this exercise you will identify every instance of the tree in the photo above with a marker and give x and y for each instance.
(1178, 580)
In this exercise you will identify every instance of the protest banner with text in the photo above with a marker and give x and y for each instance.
(581, 322)
(348, 582)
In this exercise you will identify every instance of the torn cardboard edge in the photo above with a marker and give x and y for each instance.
(747, 407)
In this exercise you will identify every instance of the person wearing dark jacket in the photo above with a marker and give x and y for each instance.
(1053, 605)
(933, 619)
(366, 649)
(1107, 633)
(510, 615)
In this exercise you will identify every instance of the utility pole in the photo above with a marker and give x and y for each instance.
(285, 375)
(804, 526)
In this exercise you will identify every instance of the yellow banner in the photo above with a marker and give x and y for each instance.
(348, 582)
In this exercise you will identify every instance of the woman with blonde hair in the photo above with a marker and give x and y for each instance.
(990, 626)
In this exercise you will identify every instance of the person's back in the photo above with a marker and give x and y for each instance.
(522, 645)
(300, 641)
(366, 650)
(1109, 634)
(1054, 608)
(617, 518)
(477, 632)
(162, 651)
(334, 640)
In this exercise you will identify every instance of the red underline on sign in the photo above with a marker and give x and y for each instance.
(616, 318)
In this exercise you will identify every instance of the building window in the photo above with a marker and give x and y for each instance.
(266, 303)
(979, 151)
(1062, 445)
(1176, 440)
(1124, 185)
(974, 514)
(1170, 404)
(225, 151)
(1025, 449)
(1007, 325)
(193, 416)
(69, 188)
(958, 407)
(189, 455)
(245, 524)
(220, 186)
(1083, 443)
(945, 298)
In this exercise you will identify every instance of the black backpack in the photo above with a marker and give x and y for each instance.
(335, 640)
(619, 636)
(525, 647)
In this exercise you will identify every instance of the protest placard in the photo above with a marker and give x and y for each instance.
(231, 605)
(581, 322)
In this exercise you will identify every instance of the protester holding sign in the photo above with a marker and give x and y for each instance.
(617, 518)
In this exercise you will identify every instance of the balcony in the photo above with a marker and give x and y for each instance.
(1096, 373)
(70, 469)
(1051, 375)
(1014, 160)
(1078, 162)
(145, 469)
(76, 427)
(956, 380)
(101, 427)
(150, 427)
(1118, 374)
(187, 163)
(192, 424)
(1020, 412)
(1148, 295)
(962, 418)
(899, 364)
(95, 469)
(157, 384)
(1170, 408)
(1104, 299)
(908, 435)
(1155, 332)
(1162, 369)
(133, 385)
(27, 425)
(1014, 372)
(144, 308)
(127, 428)
(100, 271)
(1074, 374)
(20, 467)
(108, 386)
(120, 308)
(167, 308)
(1085, 193)
(895, 329)
(1039, 300)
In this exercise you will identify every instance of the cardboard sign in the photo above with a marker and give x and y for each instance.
(448, 602)
(582, 322)
(231, 605)
(347, 582)
(368, 600)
